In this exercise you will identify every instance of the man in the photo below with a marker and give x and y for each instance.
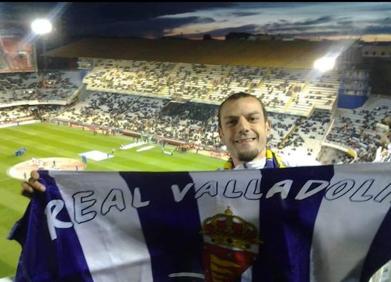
(243, 128)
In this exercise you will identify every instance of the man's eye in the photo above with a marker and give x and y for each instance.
(254, 118)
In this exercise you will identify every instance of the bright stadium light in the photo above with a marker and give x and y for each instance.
(41, 26)
(324, 64)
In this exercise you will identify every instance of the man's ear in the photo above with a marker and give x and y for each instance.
(268, 127)
(221, 134)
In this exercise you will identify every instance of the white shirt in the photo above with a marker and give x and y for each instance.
(258, 164)
(288, 162)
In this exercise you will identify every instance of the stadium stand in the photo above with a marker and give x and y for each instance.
(178, 102)
(283, 91)
(38, 88)
(357, 128)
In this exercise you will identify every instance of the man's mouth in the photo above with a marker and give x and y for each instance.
(244, 140)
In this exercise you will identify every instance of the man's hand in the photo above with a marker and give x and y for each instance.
(32, 185)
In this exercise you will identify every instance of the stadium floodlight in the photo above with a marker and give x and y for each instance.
(41, 26)
(324, 64)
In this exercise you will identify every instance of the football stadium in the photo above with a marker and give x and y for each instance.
(135, 104)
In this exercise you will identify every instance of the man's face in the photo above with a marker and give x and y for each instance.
(243, 129)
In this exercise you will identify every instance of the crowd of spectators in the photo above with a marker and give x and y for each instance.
(284, 91)
(315, 126)
(179, 101)
(196, 123)
(15, 114)
(281, 125)
(358, 128)
(35, 88)
(189, 121)
(112, 110)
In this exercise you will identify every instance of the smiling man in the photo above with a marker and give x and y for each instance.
(244, 128)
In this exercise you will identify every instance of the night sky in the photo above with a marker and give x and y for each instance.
(370, 21)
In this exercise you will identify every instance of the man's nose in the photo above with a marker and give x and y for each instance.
(243, 124)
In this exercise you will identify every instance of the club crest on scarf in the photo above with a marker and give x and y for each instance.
(230, 246)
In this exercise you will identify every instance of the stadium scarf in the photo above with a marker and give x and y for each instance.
(323, 223)
(272, 161)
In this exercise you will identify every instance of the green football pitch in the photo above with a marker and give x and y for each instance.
(48, 140)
